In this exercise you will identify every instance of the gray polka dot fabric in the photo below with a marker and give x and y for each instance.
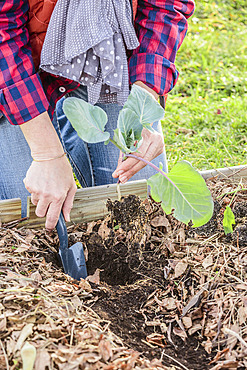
(86, 41)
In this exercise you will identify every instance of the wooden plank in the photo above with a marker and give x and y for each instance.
(90, 203)
(234, 173)
(10, 210)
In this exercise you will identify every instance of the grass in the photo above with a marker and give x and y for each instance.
(206, 113)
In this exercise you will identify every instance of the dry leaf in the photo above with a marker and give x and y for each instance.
(3, 324)
(180, 268)
(228, 364)
(90, 227)
(242, 315)
(241, 286)
(185, 131)
(42, 360)
(181, 333)
(36, 276)
(160, 221)
(208, 261)
(91, 357)
(104, 230)
(105, 350)
(95, 278)
(180, 236)
(194, 329)
(187, 322)
(208, 346)
(194, 300)
(169, 303)
(156, 339)
(22, 248)
(26, 331)
(11, 343)
(85, 285)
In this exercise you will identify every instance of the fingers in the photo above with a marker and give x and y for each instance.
(52, 215)
(34, 199)
(51, 207)
(123, 166)
(68, 204)
(52, 188)
(118, 172)
(132, 167)
(152, 146)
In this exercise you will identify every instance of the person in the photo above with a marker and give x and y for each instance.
(33, 146)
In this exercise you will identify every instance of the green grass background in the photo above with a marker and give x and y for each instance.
(206, 113)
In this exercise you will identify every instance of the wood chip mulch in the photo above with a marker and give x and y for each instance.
(205, 294)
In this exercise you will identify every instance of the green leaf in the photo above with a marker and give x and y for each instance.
(185, 192)
(128, 134)
(88, 120)
(145, 106)
(228, 220)
(119, 141)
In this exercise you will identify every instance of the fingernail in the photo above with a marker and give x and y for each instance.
(123, 179)
(117, 173)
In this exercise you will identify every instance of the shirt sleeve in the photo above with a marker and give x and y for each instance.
(21, 93)
(161, 26)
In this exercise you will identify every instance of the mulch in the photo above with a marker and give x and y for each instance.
(160, 294)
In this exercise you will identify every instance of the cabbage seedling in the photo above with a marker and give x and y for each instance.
(182, 191)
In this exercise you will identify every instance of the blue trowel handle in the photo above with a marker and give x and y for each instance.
(63, 240)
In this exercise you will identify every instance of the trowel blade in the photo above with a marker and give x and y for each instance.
(77, 263)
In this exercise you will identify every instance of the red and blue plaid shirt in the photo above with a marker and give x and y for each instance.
(161, 26)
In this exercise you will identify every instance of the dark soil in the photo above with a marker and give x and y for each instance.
(132, 271)
(132, 260)
(122, 306)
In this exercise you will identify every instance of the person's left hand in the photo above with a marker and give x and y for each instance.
(152, 146)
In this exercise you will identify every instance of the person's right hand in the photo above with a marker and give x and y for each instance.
(50, 181)
(52, 188)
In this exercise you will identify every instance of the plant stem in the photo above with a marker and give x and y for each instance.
(151, 165)
(128, 155)
(114, 143)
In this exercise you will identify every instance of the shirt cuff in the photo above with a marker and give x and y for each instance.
(154, 70)
(23, 100)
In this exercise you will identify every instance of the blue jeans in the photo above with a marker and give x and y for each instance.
(93, 164)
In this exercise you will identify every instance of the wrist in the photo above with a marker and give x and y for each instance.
(42, 138)
(49, 159)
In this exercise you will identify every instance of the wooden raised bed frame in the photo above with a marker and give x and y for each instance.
(90, 203)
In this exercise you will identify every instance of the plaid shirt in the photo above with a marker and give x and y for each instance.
(161, 26)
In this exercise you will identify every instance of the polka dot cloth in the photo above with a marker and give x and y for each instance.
(86, 41)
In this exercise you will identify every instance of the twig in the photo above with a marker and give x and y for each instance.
(148, 344)
(173, 359)
(11, 224)
(236, 172)
(72, 334)
(5, 356)
(229, 331)
(169, 337)
(231, 192)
